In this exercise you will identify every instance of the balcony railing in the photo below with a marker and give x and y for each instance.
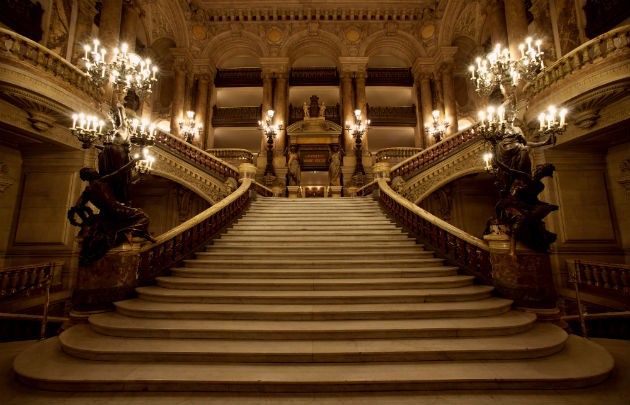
(598, 48)
(392, 116)
(314, 77)
(247, 77)
(389, 77)
(236, 116)
(22, 49)
(608, 279)
(435, 153)
(233, 156)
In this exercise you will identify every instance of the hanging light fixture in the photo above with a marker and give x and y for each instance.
(358, 129)
(438, 128)
(189, 127)
(270, 130)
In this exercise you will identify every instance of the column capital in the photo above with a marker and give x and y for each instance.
(353, 63)
(274, 65)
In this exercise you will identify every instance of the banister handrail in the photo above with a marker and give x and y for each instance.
(262, 190)
(238, 154)
(42, 57)
(195, 155)
(188, 237)
(397, 152)
(439, 151)
(468, 252)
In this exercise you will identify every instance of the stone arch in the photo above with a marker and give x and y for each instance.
(472, 169)
(303, 43)
(402, 46)
(448, 25)
(225, 45)
(174, 14)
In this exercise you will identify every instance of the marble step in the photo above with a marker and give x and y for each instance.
(336, 210)
(542, 340)
(301, 250)
(580, 363)
(292, 312)
(331, 233)
(313, 284)
(314, 273)
(220, 254)
(314, 263)
(299, 226)
(326, 245)
(323, 221)
(469, 293)
(116, 324)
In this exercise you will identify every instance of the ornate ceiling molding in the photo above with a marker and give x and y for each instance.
(585, 108)
(43, 112)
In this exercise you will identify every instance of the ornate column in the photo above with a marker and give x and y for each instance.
(280, 107)
(496, 22)
(267, 104)
(438, 101)
(516, 22)
(202, 107)
(85, 20)
(177, 107)
(347, 108)
(418, 138)
(211, 101)
(361, 101)
(450, 106)
(427, 103)
(129, 24)
(109, 31)
(188, 92)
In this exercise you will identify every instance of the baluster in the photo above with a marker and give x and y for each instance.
(614, 279)
(4, 283)
(605, 276)
(625, 285)
(588, 276)
(596, 276)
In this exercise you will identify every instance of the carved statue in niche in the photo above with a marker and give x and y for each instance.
(294, 174)
(334, 167)
(115, 221)
(519, 207)
(322, 109)
(398, 184)
(307, 113)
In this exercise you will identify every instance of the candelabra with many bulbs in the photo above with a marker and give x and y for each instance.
(358, 129)
(438, 126)
(270, 130)
(189, 127)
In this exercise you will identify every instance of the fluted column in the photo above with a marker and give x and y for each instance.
(361, 102)
(496, 23)
(516, 22)
(211, 101)
(109, 32)
(83, 31)
(427, 103)
(418, 138)
(450, 106)
(347, 108)
(129, 25)
(201, 108)
(177, 109)
(188, 92)
(280, 107)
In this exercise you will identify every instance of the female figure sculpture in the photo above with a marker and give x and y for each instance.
(294, 173)
(334, 167)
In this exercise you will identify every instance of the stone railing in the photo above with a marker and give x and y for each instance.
(590, 52)
(435, 153)
(389, 77)
(190, 236)
(195, 156)
(395, 155)
(471, 254)
(609, 279)
(233, 155)
(22, 49)
(262, 190)
(318, 76)
(296, 113)
(392, 116)
(247, 77)
(236, 116)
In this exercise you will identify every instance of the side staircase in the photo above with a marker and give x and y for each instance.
(314, 295)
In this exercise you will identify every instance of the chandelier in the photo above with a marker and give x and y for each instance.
(499, 68)
(270, 130)
(144, 161)
(438, 127)
(140, 133)
(189, 127)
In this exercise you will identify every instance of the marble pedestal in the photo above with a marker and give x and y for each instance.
(294, 192)
(335, 191)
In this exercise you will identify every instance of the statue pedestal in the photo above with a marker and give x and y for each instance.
(109, 279)
(351, 191)
(294, 192)
(524, 277)
(335, 191)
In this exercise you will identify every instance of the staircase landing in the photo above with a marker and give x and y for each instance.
(313, 296)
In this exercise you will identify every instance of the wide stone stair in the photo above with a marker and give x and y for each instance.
(313, 295)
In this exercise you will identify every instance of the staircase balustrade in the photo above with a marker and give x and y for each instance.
(233, 155)
(608, 278)
(471, 254)
(18, 47)
(395, 155)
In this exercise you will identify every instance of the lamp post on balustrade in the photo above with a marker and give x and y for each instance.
(189, 127)
(270, 130)
(438, 126)
(358, 129)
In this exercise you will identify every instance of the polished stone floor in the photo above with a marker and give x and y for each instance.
(614, 391)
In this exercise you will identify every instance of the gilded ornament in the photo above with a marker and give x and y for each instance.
(274, 35)
(199, 32)
(353, 35)
(427, 31)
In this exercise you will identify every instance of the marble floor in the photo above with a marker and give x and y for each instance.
(614, 391)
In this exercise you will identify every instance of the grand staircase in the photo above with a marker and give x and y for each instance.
(310, 296)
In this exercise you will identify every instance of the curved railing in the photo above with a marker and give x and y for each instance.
(471, 254)
(233, 155)
(21, 48)
(435, 153)
(589, 52)
(262, 190)
(395, 155)
(195, 156)
(367, 189)
(190, 236)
